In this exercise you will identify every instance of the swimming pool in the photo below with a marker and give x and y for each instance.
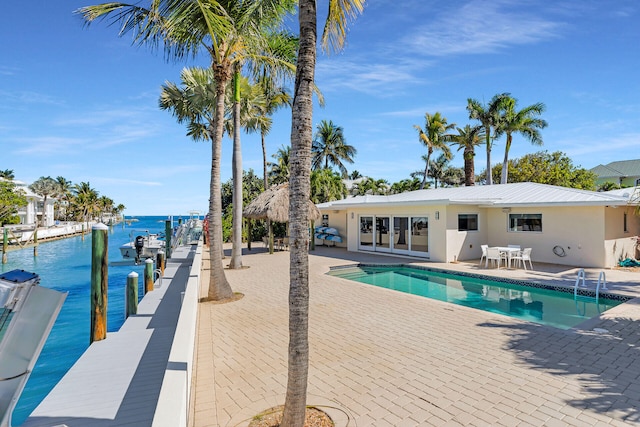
(534, 304)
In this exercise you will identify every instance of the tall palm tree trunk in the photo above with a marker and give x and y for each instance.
(299, 187)
(489, 174)
(426, 170)
(236, 161)
(266, 186)
(469, 168)
(219, 288)
(505, 162)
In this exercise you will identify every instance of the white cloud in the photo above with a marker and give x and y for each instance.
(481, 27)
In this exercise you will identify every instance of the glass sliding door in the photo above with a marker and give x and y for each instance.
(401, 235)
(383, 234)
(366, 233)
(419, 236)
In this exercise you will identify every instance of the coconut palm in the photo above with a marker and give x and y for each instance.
(435, 137)
(233, 33)
(370, 186)
(330, 147)
(7, 174)
(405, 185)
(46, 187)
(468, 138)
(85, 201)
(525, 122)
(340, 11)
(489, 117)
(326, 186)
(280, 169)
(195, 103)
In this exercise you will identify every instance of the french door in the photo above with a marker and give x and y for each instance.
(401, 234)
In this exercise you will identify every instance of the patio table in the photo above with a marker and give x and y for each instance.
(508, 251)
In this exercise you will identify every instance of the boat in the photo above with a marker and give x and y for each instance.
(142, 246)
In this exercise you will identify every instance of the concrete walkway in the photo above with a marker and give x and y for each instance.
(385, 358)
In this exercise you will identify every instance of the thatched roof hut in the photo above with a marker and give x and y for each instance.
(273, 204)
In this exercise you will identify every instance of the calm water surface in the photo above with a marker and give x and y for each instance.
(65, 265)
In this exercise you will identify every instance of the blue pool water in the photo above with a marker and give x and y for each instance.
(65, 265)
(544, 306)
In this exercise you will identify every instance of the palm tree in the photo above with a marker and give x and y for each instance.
(405, 185)
(85, 201)
(370, 186)
(330, 147)
(468, 138)
(7, 174)
(326, 186)
(65, 194)
(301, 136)
(280, 169)
(489, 117)
(195, 103)
(234, 35)
(435, 137)
(355, 175)
(46, 187)
(525, 122)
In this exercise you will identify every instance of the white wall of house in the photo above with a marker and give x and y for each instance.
(580, 236)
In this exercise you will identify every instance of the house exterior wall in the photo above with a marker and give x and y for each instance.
(465, 245)
(570, 235)
(337, 220)
(587, 236)
(619, 243)
(437, 242)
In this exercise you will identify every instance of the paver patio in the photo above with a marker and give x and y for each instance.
(385, 358)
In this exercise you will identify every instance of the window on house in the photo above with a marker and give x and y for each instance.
(467, 222)
(525, 222)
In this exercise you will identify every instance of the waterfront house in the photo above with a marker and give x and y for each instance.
(562, 225)
(625, 173)
(35, 208)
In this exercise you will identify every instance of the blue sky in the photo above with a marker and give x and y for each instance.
(82, 103)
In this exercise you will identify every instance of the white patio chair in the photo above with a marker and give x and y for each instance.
(484, 253)
(494, 254)
(523, 257)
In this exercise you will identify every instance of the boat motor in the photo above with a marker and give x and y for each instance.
(27, 314)
(139, 244)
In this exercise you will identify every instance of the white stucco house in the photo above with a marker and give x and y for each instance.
(562, 225)
(35, 208)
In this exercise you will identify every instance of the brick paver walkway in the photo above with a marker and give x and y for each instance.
(384, 358)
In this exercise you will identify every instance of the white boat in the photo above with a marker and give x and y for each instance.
(142, 246)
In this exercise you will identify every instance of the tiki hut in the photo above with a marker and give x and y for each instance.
(273, 205)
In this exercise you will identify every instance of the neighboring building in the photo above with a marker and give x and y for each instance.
(562, 225)
(625, 173)
(35, 207)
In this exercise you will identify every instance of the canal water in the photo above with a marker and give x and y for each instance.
(65, 265)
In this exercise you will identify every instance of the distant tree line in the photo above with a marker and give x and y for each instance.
(74, 202)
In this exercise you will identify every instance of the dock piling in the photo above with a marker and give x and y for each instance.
(35, 242)
(131, 295)
(99, 282)
(167, 238)
(5, 244)
(148, 275)
(160, 262)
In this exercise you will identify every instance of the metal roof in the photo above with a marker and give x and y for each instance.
(497, 195)
(623, 168)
